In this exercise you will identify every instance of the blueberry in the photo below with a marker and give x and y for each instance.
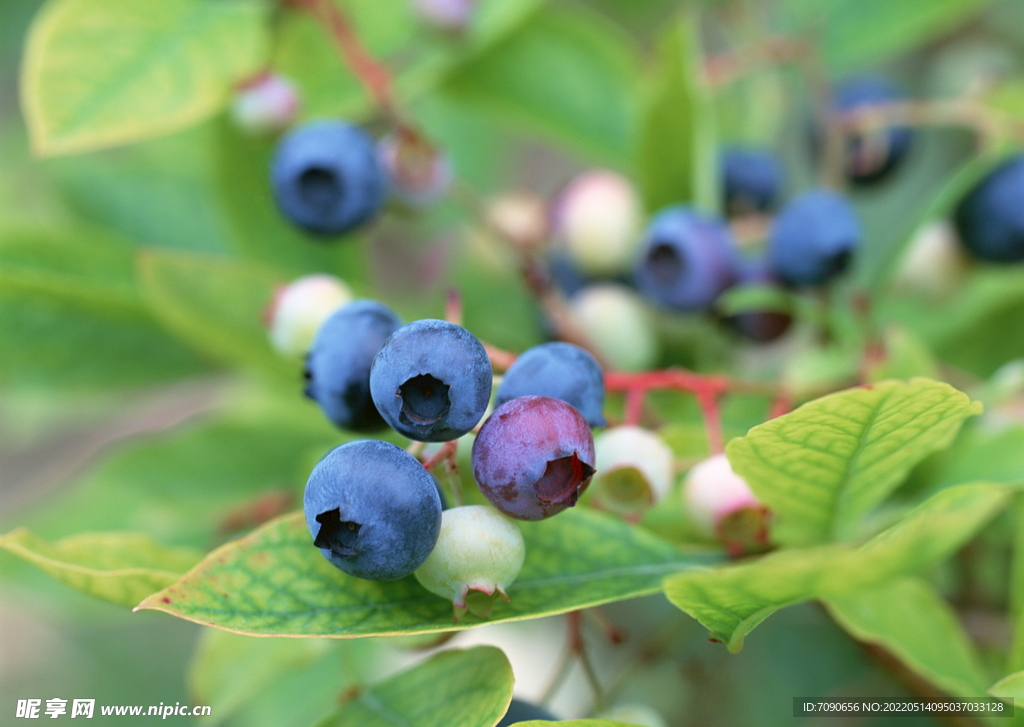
(479, 550)
(751, 180)
(559, 370)
(338, 366)
(534, 456)
(520, 711)
(431, 380)
(373, 510)
(814, 237)
(327, 178)
(990, 219)
(686, 260)
(872, 156)
(761, 326)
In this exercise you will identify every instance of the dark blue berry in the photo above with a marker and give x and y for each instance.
(561, 371)
(873, 155)
(431, 380)
(534, 456)
(686, 260)
(520, 711)
(327, 177)
(813, 239)
(751, 180)
(372, 509)
(760, 326)
(990, 219)
(338, 365)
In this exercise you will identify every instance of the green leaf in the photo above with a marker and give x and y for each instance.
(275, 583)
(567, 73)
(824, 466)
(120, 567)
(215, 303)
(574, 723)
(71, 316)
(731, 602)
(1010, 687)
(1015, 659)
(977, 329)
(164, 66)
(923, 631)
(860, 33)
(465, 687)
(251, 681)
(983, 454)
(676, 151)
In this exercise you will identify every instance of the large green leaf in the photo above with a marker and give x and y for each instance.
(731, 602)
(215, 303)
(566, 73)
(269, 682)
(1015, 659)
(857, 33)
(164, 66)
(910, 620)
(70, 314)
(119, 567)
(469, 688)
(676, 158)
(1010, 687)
(274, 582)
(824, 466)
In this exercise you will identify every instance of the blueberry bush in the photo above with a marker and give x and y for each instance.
(372, 362)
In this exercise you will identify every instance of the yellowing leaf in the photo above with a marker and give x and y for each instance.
(98, 73)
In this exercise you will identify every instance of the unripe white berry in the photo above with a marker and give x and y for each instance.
(300, 307)
(519, 217)
(268, 103)
(934, 263)
(619, 324)
(597, 220)
(479, 549)
(634, 469)
(712, 492)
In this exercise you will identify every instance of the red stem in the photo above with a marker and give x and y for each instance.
(447, 451)
(370, 72)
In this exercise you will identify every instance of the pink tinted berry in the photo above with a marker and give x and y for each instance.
(268, 103)
(450, 16)
(420, 173)
(299, 308)
(721, 505)
(533, 457)
(596, 220)
(480, 550)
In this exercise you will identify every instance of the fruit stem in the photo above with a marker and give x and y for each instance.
(374, 77)
(447, 451)
(453, 306)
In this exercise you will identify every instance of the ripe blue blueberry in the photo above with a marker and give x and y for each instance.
(751, 180)
(534, 456)
(814, 237)
(872, 156)
(372, 509)
(520, 711)
(990, 219)
(559, 370)
(760, 326)
(431, 380)
(338, 366)
(686, 260)
(327, 177)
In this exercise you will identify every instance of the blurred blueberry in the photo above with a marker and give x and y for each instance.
(751, 179)
(814, 237)
(990, 219)
(872, 156)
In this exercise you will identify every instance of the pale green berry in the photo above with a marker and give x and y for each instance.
(479, 549)
(619, 324)
(634, 469)
(300, 307)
